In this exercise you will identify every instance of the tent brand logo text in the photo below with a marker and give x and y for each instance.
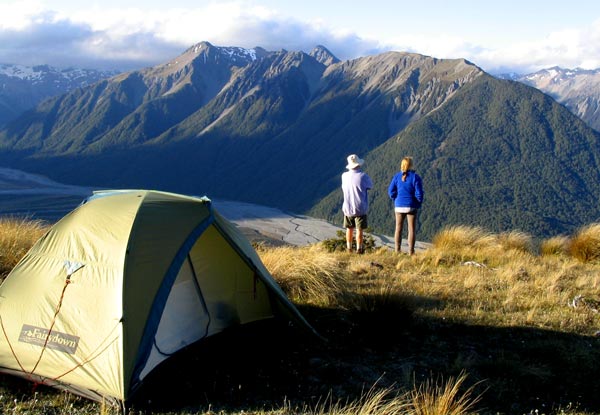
(57, 341)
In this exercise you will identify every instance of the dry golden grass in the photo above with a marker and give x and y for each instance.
(443, 398)
(515, 241)
(458, 237)
(476, 277)
(464, 238)
(513, 290)
(307, 275)
(16, 237)
(585, 245)
(557, 245)
(458, 244)
(373, 402)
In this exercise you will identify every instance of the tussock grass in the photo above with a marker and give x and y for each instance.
(442, 398)
(557, 245)
(307, 275)
(373, 402)
(585, 245)
(457, 238)
(515, 241)
(16, 237)
(464, 239)
(458, 244)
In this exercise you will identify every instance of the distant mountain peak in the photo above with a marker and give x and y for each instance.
(206, 53)
(23, 87)
(558, 74)
(323, 55)
(578, 89)
(233, 52)
(41, 72)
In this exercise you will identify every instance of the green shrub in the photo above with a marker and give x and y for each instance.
(338, 244)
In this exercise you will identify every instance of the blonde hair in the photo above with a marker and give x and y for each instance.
(405, 166)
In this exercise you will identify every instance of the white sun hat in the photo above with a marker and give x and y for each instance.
(354, 161)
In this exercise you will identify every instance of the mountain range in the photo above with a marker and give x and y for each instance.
(577, 89)
(274, 128)
(24, 87)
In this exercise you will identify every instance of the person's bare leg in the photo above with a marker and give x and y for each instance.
(398, 231)
(359, 240)
(349, 237)
(412, 224)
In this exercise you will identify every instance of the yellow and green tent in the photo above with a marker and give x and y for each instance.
(121, 284)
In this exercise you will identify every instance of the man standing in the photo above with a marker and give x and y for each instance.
(355, 184)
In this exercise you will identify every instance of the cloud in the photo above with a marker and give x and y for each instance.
(570, 48)
(289, 34)
(132, 38)
(129, 38)
(31, 35)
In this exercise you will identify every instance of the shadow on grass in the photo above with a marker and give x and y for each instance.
(263, 365)
(270, 364)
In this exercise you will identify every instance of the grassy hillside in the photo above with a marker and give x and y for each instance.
(499, 155)
(479, 323)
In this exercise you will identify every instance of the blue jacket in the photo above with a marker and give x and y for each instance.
(409, 193)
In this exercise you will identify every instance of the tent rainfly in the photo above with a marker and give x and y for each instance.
(122, 283)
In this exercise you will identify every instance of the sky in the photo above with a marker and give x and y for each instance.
(500, 37)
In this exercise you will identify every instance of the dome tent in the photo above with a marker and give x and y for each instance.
(121, 284)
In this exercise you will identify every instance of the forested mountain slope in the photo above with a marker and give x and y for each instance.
(499, 155)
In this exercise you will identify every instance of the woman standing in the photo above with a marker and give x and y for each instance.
(406, 189)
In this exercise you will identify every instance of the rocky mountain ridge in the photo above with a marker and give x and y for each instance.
(578, 89)
(24, 87)
(199, 91)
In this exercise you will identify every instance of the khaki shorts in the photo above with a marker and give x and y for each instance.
(355, 221)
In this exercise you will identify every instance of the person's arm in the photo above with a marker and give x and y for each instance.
(368, 182)
(419, 193)
(393, 189)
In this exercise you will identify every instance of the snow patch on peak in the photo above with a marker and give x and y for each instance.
(232, 52)
(557, 75)
(20, 71)
(43, 72)
(235, 52)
